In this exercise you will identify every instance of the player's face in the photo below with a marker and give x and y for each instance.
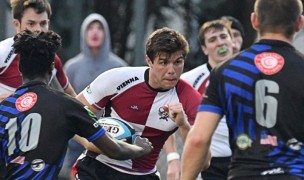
(95, 35)
(218, 45)
(237, 40)
(32, 21)
(166, 70)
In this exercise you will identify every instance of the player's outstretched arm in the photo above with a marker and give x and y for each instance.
(173, 170)
(69, 90)
(117, 149)
(87, 145)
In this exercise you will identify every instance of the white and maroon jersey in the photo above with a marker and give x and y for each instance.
(199, 79)
(126, 93)
(10, 76)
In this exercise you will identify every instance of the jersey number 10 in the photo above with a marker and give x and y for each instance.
(29, 136)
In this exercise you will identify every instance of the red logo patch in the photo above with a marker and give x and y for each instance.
(269, 63)
(26, 101)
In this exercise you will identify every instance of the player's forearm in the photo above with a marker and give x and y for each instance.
(170, 144)
(69, 90)
(184, 130)
(86, 144)
(120, 150)
(129, 151)
(191, 166)
(173, 158)
(195, 158)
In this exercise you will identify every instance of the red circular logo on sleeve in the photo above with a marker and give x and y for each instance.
(26, 101)
(269, 63)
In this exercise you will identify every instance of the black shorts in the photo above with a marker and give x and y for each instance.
(89, 168)
(218, 169)
(270, 177)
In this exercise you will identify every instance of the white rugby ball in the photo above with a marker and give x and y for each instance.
(118, 128)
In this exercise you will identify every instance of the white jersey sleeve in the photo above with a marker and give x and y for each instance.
(6, 54)
(196, 76)
(109, 84)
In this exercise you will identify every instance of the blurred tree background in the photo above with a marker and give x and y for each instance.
(131, 21)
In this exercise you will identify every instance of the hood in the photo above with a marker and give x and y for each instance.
(105, 48)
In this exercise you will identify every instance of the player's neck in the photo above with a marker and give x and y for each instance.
(276, 36)
(41, 79)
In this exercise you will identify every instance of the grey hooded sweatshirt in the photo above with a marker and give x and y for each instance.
(85, 67)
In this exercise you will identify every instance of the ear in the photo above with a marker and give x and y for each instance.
(254, 21)
(149, 61)
(52, 67)
(17, 25)
(300, 23)
(204, 49)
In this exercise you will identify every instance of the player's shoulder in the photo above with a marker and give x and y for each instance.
(126, 71)
(187, 93)
(184, 86)
(130, 69)
(7, 41)
(197, 71)
(6, 45)
(65, 99)
(121, 76)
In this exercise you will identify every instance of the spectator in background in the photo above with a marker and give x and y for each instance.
(95, 58)
(216, 42)
(96, 55)
(237, 32)
(33, 15)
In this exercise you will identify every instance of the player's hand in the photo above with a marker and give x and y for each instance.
(143, 143)
(173, 171)
(176, 113)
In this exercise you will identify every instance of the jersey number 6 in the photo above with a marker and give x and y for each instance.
(265, 103)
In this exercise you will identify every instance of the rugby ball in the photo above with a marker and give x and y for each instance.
(118, 128)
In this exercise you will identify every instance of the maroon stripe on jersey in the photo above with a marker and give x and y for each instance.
(60, 75)
(134, 104)
(203, 86)
(157, 138)
(190, 99)
(103, 102)
(12, 76)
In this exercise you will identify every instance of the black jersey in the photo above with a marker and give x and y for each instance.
(36, 123)
(261, 92)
